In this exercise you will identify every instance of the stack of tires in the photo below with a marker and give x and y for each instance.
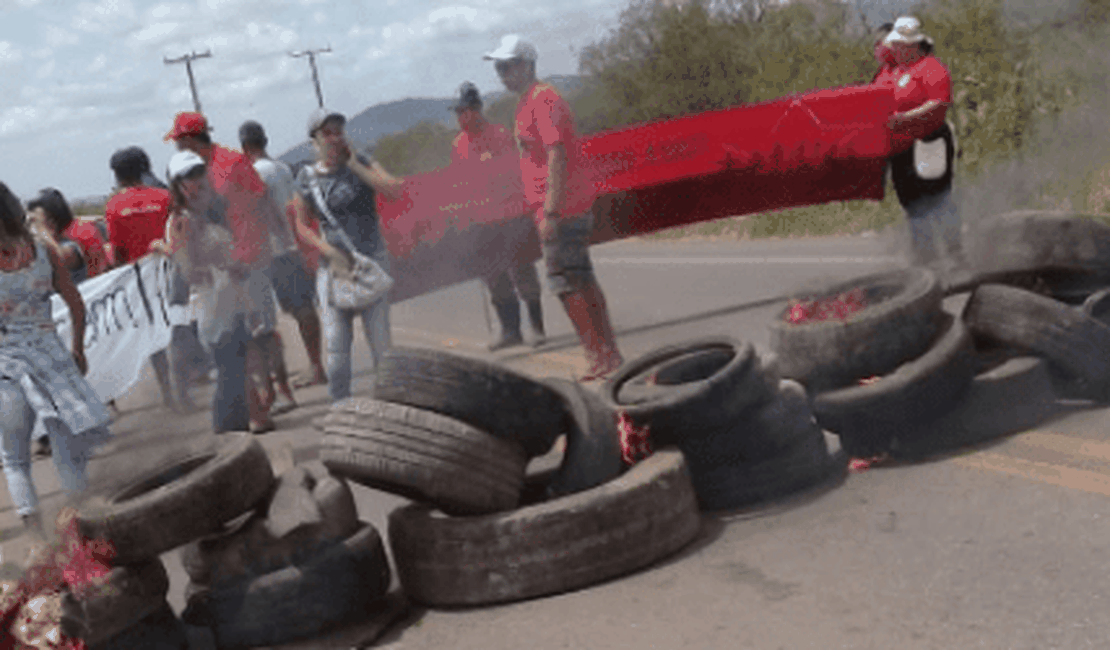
(269, 561)
(905, 377)
(456, 434)
(747, 435)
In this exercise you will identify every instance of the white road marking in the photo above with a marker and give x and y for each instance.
(744, 260)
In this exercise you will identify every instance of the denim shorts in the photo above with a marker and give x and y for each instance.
(567, 256)
(294, 287)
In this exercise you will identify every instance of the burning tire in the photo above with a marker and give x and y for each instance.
(593, 453)
(716, 379)
(1075, 343)
(127, 596)
(489, 397)
(297, 601)
(182, 501)
(626, 524)
(899, 322)
(422, 455)
(866, 417)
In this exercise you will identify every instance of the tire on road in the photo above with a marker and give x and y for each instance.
(128, 595)
(1033, 240)
(297, 601)
(1010, 396)
(775, 451)
(423, 456)
(899, 323)
(251, 549)
(486, 396)
(174, 504)
(709, 401)
(593, 450)
(626, 524)
(1075, 343)
(161, 630)
(867, 417)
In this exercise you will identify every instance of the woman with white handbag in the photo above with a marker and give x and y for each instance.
(925, 144)
(340, 192)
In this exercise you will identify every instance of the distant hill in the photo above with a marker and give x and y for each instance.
(366, 127)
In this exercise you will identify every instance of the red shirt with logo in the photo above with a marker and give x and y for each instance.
(135, 217)
(233, 177)
(543, 120)
(490, 142)
(925, 79)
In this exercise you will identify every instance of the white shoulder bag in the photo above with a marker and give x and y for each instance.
(367, 282)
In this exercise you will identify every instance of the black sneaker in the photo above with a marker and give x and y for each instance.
(506, 342)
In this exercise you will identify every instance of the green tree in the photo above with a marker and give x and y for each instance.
(421, 148)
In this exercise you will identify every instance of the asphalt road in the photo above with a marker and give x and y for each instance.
(998, 547)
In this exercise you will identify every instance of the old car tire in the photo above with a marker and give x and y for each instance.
(128, 595)
(424, 456)
(708, 402)
(1077, 344)
(298, 601)
(626, 524)
(1097, 306)
(867, 417)
(161, 630)
(249, 549)
(1032, 240)
(486, 396)
(593, 450)
(899, 323)
(167, 507)
(1014, 395)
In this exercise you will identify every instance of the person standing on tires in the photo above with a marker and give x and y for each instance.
(348, 185)
(925, 144)
(479, 141)
(560, 198)
(41, 382)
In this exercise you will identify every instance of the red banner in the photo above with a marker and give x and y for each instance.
(466, 221)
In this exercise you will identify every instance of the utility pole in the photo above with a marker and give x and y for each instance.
(311, 54)
(188, 60)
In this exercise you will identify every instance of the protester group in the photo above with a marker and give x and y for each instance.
(246, 236)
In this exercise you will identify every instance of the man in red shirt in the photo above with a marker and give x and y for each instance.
(136, 216)
(560, 197)
(478, 142)
(252, 217)
(924, 144)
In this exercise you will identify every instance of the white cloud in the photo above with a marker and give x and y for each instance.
(9, 53)
(57, 37)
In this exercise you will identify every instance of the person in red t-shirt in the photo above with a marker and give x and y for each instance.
(136, 216)
(252, 218)
(561, 198)
(924, 144)
(479, 141)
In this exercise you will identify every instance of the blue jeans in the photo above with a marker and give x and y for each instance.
(338, 329)
(70, 452)
(934, 212)
(229, 402)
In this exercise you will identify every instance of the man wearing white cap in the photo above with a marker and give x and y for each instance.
(924, 143)
(559, 195)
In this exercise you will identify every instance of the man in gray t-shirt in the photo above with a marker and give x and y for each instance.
(294, 287)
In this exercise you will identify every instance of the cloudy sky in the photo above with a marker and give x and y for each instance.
(79, 79)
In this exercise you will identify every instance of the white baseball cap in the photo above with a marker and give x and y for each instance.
(513, 47)
(907, 29)
(182, 163)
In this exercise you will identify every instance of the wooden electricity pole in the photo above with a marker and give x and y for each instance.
(188, 60)
(311, 54)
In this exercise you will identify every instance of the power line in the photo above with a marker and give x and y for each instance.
(188, 59)
(311, 54)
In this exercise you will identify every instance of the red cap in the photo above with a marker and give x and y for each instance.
(189, 123)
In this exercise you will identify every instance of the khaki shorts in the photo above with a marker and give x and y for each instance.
(567, 256)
